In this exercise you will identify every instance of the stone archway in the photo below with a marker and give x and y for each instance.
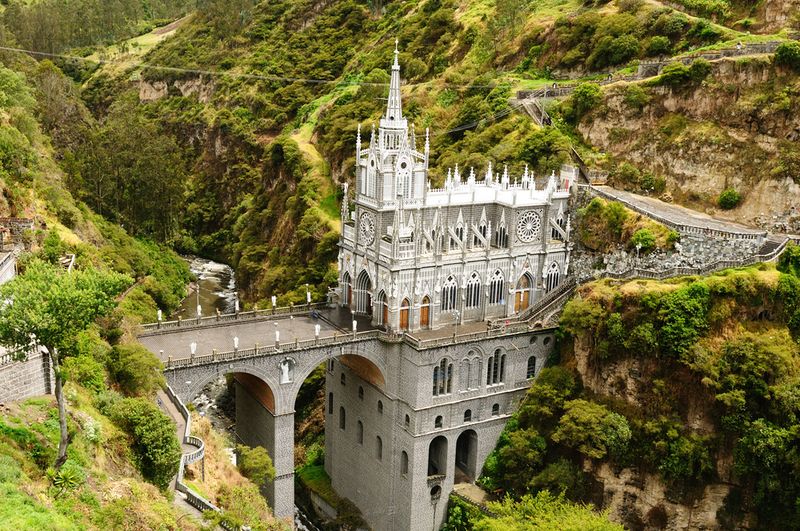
(466, 457)
(437, 457)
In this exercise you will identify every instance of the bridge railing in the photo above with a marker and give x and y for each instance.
(252, 315)
(192, 498)
(280, 348)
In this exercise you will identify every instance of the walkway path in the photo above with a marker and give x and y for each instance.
(169, 408)
(675, 215)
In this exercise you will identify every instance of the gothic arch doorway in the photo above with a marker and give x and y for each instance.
(404, 311)
(523, 293)
(363, 295)
(425, 312)
(466, 457)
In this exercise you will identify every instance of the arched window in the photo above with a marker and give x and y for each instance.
(531, 370)
(425, 312)
(343, 379)
(342, 418)
(330, 403)
(473, 291)
(460, 232)
(404, 312)
(363, 302)
(330, 365)
(360, 392)
(443, 378)
(464, 375)
(347, 290)
(407, 422)
(379, 448)
(360, 433)
(495, 410)
(468, 415)
(380, 407)
(383, 308)
(403, 463)
(437, 423)
(553, 274)
(523, 294)
(497, 287)
(501, 236)
(495, 369)
(449, 294)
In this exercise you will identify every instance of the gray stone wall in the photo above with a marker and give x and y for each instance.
(23, 379)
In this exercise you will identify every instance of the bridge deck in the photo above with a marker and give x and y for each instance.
(176, 343)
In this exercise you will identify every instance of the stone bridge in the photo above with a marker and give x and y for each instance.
(269, 372)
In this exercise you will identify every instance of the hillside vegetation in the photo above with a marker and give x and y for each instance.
(709, 421)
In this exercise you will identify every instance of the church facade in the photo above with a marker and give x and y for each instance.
(416, 257)
(420, 260)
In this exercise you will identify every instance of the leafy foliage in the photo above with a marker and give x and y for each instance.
(155, 445)
(255, 464)
(544, 511)
(788, 54)
(729, 199)
(136, 370)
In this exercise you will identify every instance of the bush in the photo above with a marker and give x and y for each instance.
(136, 370)
(592, 429)
(678, 74)
(788, 54)
(255, 464)
(729, 199)
(636, 97)
(155, 445)
(584, 98)
(658, 45)
(86, 371)
(643, 240)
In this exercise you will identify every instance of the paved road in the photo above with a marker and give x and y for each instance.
(177, 343)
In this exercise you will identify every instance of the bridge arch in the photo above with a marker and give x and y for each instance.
(193, 389)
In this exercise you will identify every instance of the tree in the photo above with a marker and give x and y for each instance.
(644, 240)
(592, 429)
(255, 464)
(49, 308)
(136, 370)
(155, 444)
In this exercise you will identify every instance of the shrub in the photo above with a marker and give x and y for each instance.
(615, 215)
(136, 370)
(643, 240)
(255, 464)
(658, 45)
(729, 199)
(592, 429)
(86, 371)
(788, 54)
(155, 445)
(636, 97)
(678, 74)
(584, 98)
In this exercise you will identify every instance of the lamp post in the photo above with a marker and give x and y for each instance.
(456, 315)
(274, 303)
(308, 297)
(235, 344)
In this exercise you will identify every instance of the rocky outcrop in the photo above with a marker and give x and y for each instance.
(730, 131)
(640, 499)
(199, 87)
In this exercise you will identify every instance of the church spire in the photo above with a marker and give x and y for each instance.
(394, 107)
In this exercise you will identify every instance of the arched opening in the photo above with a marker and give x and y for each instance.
(530, 372)
(437, 457)
(468, 415)
(449, 292)
(364, 369)
(342, 418)
(404, 311)
(473, 291)
(553, 276)
(404, 463)
(425, 312)
(443, 378)
(495, 410)
(523, 293)
(497, 288)
(360, 432)
(383, 309)
(407, 422)
(466, 457)
(363, 294)
(347, 289)
(437, 423)
(496, 368)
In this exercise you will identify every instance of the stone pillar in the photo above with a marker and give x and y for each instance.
(281, 491)
(256, 425)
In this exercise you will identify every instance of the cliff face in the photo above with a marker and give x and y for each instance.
(639, 498)
(736, 129)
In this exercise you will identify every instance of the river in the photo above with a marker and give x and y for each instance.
(215, 289)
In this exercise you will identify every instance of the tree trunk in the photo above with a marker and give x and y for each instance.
(62, 410)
